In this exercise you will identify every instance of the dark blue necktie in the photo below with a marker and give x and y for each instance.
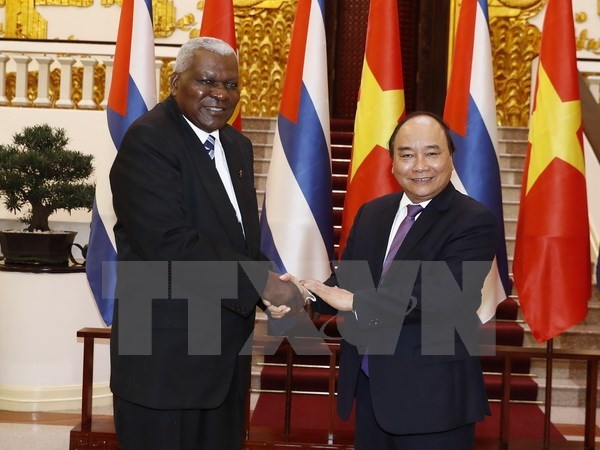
(209, 145)
(405, 225)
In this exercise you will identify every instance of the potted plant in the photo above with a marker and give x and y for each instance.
(38, 176)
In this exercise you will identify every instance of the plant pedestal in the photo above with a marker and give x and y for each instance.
(40, 355)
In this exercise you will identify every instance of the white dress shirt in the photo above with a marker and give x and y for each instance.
(222, 168)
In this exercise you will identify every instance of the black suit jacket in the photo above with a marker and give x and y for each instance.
(171, 206)
(415, 390)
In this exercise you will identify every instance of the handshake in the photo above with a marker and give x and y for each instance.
(285, 294)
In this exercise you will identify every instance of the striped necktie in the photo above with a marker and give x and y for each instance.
(209, 145)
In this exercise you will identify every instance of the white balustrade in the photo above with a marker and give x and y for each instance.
(25, 57)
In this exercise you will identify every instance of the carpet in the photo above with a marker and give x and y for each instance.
(311, 412)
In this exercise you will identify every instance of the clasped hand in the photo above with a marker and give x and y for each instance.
(283, 295)
(340, 299)
(337, 298)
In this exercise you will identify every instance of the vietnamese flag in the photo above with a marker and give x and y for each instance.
(218, 22)
(551, 266)
(380, 107)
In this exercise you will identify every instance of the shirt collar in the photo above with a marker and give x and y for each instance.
(202, 135)
(405, 201)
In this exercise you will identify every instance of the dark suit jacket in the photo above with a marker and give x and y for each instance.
(413, 390)
(171, 206)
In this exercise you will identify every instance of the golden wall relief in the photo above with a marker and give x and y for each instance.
(79, 3)
(165, 77)
(264, 35)
(23, 21)
(515, 43)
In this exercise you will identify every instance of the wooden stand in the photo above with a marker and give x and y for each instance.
(92, 432)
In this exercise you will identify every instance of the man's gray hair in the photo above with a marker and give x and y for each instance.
(187, 50)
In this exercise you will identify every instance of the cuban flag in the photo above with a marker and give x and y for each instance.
(133, 92)
(470, 112)
(296, 220)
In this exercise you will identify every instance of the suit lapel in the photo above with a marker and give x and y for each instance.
(438, 206)
(208, 177)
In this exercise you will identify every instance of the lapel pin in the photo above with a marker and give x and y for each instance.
(240, 174)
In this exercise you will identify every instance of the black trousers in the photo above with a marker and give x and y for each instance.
(370, 436)
(141, 428)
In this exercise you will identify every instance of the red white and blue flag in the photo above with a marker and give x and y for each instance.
(296, 220)
(470, 112)
(218, 21)
(133, 92)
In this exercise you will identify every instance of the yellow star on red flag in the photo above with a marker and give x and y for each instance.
(374, 128)
(553, 131)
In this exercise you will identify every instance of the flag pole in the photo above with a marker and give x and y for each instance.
(548, 393)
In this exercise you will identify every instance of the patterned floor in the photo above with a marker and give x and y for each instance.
(50, 430)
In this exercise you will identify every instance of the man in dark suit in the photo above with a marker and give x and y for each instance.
(183, 191)
(425, 391)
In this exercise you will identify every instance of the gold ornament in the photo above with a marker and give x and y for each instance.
(264, 35)
(515, 43)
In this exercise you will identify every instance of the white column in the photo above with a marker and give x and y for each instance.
(43, 81)
(108, 63)
(87, 89)
(65, 82)
(3, 99)
(21, 99)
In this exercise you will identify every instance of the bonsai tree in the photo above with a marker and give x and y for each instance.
(37, 169)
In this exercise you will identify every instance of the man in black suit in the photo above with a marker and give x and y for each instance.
(426, 390)
(183, 191)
